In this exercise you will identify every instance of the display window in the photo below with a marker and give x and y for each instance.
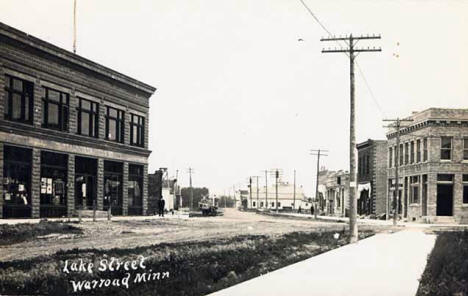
(53, 192)
(17, 182)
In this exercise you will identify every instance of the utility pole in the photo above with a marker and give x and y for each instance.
(190, 171)
(176, 181)
(396, 192)
(250, 190)
(351, 53)
(74, 26)
(266, 188)
(277, 176)
(294, 196)
(318, 153)
(258, 205)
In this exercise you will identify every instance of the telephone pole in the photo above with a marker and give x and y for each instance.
(396, 192)
(74, 26)
(266, 188)
(318, 153)
(258, 205)
(294, 196)
(352, 53)
(250, 190)
(190, 171)
(277, 177)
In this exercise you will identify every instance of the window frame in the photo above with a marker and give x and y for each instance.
(140, 130)
(443, 149)
(27, 91)
(465, 148)
(425, 150)
(93, 112)
(412, 152)
(63, 110)
(465, 189)
(418, 150)
(119, 124)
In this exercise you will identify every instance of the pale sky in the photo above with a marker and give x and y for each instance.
(238, 94)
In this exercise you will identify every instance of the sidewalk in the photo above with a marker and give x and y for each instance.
(384, 264)
(176, 215)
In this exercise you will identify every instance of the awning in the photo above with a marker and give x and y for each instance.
(362, 187)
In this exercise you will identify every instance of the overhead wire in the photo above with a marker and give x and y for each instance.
(361, 72)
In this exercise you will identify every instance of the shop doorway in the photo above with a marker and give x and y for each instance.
(113, 196)
(85, 183)
(444, 200)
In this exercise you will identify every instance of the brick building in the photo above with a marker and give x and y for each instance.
(333, 190)
(433, 160)
(73, 133)
(372, 177)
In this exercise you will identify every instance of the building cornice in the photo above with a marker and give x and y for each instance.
(64, 55)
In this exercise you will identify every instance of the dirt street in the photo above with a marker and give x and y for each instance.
(132, 233)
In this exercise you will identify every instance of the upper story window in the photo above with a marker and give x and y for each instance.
(390, 157)
(367, 164)
(406, 153)
(465, 148)
(55, 109)
(137, 130)
(425, 149)
(465, 189)
(88, 122)
(418, 151)
(401, 154)
(18, 99)
(115, 125)
(446, 148)
(412, 152)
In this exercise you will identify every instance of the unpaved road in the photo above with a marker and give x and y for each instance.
(134, 233)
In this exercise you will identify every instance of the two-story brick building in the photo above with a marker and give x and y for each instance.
(433, 165)
(372, 177)
(73, 133)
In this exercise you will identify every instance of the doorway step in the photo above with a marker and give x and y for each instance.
(444, 220)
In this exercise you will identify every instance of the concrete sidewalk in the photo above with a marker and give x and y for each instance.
(176, 215)
(384, 264)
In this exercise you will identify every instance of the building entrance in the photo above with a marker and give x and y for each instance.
(444, 200)
(85, 183)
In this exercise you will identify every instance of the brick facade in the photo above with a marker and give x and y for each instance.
(431, 125)
(372, 170)
(33, 60)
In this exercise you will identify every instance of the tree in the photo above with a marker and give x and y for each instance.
(198, 194)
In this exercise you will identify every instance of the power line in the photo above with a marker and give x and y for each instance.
(361, 72)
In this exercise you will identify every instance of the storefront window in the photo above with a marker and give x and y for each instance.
(53, 184)
(16, 182)
(113, 186)
(135, 189)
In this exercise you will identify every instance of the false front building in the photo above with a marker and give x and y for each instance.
(73, 133)
(433, 166)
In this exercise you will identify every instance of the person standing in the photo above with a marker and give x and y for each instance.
(162, 203)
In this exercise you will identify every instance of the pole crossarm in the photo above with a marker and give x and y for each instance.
(352, 52)
(346, 38)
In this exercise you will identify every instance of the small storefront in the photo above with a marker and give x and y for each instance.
(85, 183)
(135, 189)
(17, 182)
(113, 197)
(53, 193)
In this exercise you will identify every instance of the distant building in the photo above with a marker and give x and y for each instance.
(333, 190)
(372, 177)
(433, 165)
(267, 198)
(73, 133)
(159, 186)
